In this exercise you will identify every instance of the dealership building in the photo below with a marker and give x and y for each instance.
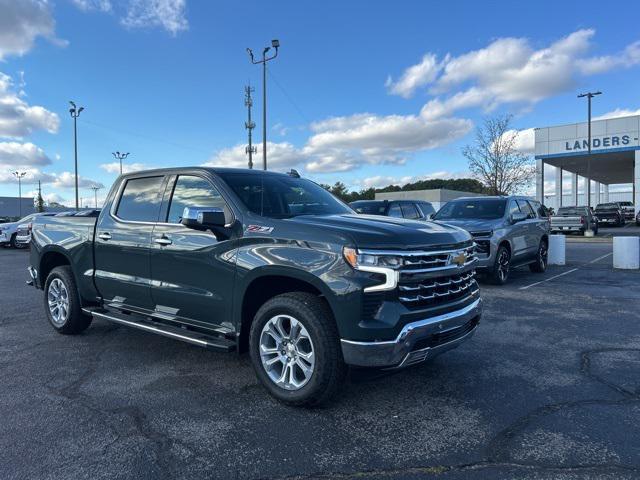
(614, 160)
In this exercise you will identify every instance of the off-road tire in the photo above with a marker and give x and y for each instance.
(76, 321)
(329, 369)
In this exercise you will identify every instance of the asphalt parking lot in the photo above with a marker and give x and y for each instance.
(549, 387)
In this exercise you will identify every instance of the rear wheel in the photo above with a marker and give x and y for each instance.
(62, 302)
(542, 256)
(501, 267)
(295, 349)
(12, 242)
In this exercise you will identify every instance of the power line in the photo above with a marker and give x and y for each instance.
(288, 97)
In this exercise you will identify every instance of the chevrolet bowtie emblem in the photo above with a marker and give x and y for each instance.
(459, 259)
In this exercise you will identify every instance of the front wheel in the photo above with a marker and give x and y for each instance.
(540, 265)
(295, 349)
(62, 302)
(501, 267)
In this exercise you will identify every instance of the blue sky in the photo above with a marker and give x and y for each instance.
(367, 93)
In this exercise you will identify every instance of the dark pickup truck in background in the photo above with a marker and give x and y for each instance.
(610, 214)
(265, 262)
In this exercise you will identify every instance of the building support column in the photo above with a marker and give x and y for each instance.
(636, 182)
(574, 189)
(605, 194)
(540, 181)
(558, 187)
(596, 193)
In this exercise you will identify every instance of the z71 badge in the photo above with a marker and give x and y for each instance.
(258, 229)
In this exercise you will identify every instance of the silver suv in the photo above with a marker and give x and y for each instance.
(509, 232)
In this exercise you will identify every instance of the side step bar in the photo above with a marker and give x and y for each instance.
(177, 333)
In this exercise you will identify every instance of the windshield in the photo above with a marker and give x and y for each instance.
(280, 196)
(484, 209)
(571, 211)
(370, 208)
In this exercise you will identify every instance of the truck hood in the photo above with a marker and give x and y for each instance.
(378, 232)
(474, 225)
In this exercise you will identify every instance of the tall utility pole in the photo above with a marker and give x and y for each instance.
(75, 113)
(120, 157)
(275, 44)
(589, 96)
(249, 125)
(95, 189)
(19, 176)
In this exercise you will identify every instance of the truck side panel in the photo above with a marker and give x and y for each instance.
(57, 240)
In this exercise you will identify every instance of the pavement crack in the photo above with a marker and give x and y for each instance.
(585, 369)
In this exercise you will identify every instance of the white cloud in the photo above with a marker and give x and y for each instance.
(280, 156)
(344, 143)
(88, 5)
(525, 141)
(629, 57)
(114, 167)
(507, 71)
(416, 76)
(17, 154)
(21, 22)
(18, 118)
(57, 180)
(280, 129)
(67, 180)
(167, 14)
(618, 112)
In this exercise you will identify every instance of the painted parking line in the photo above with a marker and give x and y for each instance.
(600, 258)
(548, 279)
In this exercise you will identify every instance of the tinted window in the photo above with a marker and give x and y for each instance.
(513, 207)
(140, 200)
(526, 209)
(394, 211)
(482, 209)
(538, 208)
(607, 206)
(281, 196)
(409, 211)
(191, 191)
(426, 208)
(568, 211)
(369, 208)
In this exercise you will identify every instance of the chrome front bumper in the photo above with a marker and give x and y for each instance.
(406, 349)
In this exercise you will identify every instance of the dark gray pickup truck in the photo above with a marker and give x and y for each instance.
(238, 260)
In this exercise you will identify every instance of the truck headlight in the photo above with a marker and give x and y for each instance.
(382, 264)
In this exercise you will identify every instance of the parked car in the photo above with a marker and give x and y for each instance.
(628, 209)
(233, 259)
(411, 209)
(509, 232)
(638, 219)
(610, 214)
(574, 219)
(8, 231)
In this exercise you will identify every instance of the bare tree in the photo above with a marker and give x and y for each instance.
(495, 160)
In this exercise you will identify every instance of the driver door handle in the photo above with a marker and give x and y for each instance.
(104, 236)
(163, 240)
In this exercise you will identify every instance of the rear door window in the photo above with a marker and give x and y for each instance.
(513, 207)
(140, 200)
(526, 209)
(394, 211)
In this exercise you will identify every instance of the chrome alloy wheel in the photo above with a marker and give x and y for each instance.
(503, 264)
(286, 352)
(58, 298)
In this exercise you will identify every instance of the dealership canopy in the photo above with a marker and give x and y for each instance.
(614, 158)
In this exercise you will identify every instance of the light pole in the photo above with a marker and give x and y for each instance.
(275, 44)
(95, 189)
(589, 96)
(19, 176)
(120, 157)
(75, 113)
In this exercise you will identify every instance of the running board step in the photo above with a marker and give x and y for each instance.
(213, 343)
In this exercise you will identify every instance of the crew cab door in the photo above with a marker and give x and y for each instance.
(122, 242)
(517, 232)
(531, 226)
(192, 271)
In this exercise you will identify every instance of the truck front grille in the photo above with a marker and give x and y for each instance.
(437, 290)
(416, 262)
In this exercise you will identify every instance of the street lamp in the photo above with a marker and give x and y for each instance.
(19, 176)
(75, 113)
(120, 157)
(275, 44)
(95, 189)
(589, 96)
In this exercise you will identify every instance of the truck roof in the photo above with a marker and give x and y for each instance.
(216, 170)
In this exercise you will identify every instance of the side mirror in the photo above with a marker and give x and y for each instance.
(201, 218)
(518, 217)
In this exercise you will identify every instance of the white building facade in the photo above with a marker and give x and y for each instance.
(614, 160)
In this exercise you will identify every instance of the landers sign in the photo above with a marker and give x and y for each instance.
(602, 142)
